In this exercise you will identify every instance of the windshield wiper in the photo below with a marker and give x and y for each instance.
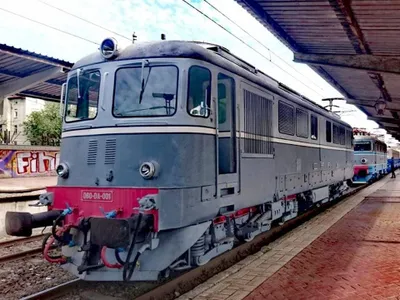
(141, 109)
(143, 84)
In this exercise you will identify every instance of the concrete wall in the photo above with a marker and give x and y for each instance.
(28, 161)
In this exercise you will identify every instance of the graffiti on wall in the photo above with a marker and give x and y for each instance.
(18, 163)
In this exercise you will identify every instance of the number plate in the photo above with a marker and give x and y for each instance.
(98, 196)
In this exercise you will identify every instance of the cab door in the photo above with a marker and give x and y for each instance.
(226, 136)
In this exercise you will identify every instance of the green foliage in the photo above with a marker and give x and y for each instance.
(44, 127)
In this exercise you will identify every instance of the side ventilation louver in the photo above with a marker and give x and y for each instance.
(92, 152)
(111, 147)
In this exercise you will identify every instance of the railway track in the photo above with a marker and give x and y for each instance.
(169, 289)
(54, 292)
(9, 249)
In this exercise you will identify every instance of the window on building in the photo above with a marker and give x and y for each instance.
(328, 132)
(15, 113)
(15, 128)
(314, 127)
(286, 118)
(199, 92)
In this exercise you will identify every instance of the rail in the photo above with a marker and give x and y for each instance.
(19, 254)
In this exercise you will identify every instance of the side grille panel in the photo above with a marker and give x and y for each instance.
(111, 148)
(92, 152)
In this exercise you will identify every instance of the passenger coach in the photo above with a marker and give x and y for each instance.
(393, 154)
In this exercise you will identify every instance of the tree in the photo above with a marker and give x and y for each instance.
(44, 127)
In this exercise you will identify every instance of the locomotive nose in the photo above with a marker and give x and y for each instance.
(22, 223)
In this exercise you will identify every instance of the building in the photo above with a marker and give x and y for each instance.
(13, 113)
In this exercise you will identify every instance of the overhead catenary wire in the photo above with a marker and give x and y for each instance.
(198, 10)
(251, 47)
(49, 26)
(83, 19)
(258, 41)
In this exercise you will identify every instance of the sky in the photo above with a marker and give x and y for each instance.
(148, 19)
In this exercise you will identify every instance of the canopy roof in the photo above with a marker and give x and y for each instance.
(26, 73)
(354, 45)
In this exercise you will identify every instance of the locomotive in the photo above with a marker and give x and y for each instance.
(370, 156)
(171, 152)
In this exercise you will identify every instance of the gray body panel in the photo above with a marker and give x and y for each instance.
(186, 170)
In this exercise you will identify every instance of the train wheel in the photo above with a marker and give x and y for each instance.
(249, 238)
(350, 183)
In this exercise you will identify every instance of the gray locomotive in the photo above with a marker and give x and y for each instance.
(173, 150)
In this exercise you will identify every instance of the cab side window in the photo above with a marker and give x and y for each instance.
(199, 92)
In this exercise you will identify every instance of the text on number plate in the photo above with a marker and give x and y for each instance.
(97, 196)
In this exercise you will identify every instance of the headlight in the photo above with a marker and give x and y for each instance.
(109, 48)
(364, 160)
(148, 170)
(62, 170)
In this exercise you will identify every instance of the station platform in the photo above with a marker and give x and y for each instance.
(349, 251)
(15, 187)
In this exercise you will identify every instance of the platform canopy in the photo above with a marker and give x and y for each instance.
(25, 73)
(353, 44)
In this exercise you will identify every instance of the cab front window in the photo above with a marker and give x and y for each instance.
(362, 146)
(146, 91)
(82, 96)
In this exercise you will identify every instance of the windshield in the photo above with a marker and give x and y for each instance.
(145, 91)
(82, 104)
(362, 146)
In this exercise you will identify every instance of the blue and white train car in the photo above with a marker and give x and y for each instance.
(395, 155)
(370, 158)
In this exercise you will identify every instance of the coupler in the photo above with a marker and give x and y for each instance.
(22, 223)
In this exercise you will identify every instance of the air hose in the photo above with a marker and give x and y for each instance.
(54, 228)
(129, 267)
(49, 242)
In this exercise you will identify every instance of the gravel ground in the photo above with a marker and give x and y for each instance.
(27, 276)
(109, 290)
